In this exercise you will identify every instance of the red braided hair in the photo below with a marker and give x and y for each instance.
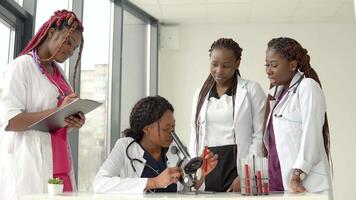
(60, 19)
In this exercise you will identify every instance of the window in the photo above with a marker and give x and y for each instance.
(20, 2)
(134, 64)
(94, 85)
(7, 35)
(45, 9)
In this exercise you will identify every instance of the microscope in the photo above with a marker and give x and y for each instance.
(189, 165)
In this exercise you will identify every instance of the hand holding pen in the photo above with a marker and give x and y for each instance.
(210, 160)
(68, 99)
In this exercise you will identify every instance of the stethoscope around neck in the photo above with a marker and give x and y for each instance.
(295, 85)
(36, 59)
(132, 160)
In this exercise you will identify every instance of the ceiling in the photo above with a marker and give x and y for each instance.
(249, 11)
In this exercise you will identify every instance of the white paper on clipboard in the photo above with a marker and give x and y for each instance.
(55, 120)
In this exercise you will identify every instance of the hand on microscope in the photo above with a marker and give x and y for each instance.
(168, 176)
(210, 160)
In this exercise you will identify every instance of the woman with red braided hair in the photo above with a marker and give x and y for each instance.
(296, 133)
(35, 86)
(227, 116)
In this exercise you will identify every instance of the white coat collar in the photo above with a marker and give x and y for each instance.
(276, 90)
(241, 91)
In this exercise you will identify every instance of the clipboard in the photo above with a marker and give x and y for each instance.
(55, 120)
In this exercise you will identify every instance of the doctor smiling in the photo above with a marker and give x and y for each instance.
(35, 87)
(142, 160)
(296, 134)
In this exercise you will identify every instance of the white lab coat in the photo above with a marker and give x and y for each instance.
(297, 123)
(26, 157)
(116, 175)
(248, 120)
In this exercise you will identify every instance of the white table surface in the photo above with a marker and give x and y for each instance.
(172, 196)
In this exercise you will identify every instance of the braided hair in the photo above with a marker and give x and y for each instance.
(222, 43)
(59, 20)
(292, 50)
(146, 111)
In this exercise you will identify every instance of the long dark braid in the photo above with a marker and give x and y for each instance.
(146, 111)
(292, 50)
(222, 43)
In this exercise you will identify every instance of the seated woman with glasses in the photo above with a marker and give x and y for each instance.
(141, 160)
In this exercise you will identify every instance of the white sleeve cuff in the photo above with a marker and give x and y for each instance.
(9, 115)
(104, 183)
(302, 165)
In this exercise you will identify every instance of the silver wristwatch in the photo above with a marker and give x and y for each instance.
(300, 173)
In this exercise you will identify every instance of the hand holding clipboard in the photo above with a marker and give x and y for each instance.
(76, 120)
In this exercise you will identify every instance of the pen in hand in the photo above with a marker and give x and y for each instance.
(68, 99)
(206, 152)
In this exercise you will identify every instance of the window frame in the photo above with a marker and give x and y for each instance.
(152, 88)
(21, 19)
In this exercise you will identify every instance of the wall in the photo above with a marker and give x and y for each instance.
(331, 47)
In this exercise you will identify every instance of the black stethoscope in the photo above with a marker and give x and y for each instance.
(137, 160)
(140, 161)
(295, 85)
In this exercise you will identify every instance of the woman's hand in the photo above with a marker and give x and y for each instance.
(296, 185)
(75, 121)
(210, 160)
(167, 177)
(235, 186)
(68, 99)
